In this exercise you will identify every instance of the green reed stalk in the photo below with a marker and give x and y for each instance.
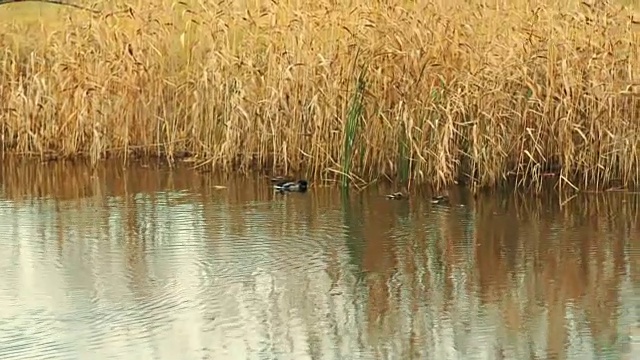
(352, 127)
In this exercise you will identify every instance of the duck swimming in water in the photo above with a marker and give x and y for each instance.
(440, 199)
(396, 196)
(291, 186)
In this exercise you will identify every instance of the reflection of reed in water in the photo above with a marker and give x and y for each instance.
(75, 180)
(502, 276)
(534, 265)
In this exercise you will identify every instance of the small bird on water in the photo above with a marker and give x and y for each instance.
(282, 185)
(440, 199)
(396, 196)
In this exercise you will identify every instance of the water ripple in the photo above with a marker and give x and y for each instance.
(161, 273)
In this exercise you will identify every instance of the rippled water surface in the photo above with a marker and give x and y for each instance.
(148, 263)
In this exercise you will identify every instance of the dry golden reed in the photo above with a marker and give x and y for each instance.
(431, 91)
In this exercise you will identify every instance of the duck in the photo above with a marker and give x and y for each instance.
(396, 196)
(291, 186)
(440, 199)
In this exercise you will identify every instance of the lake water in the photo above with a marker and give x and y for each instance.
(145, 262)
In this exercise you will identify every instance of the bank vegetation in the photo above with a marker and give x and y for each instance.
(480, 92)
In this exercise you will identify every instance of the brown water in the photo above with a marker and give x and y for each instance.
(146, 263)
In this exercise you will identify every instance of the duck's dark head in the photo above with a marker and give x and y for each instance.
(302, 185)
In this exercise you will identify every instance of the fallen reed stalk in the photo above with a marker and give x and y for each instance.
(452, 91)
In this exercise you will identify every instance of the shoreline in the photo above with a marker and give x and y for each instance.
(187, 161)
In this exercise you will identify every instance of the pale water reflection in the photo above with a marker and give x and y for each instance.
(147, 263)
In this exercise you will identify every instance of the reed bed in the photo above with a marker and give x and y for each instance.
(436, 92)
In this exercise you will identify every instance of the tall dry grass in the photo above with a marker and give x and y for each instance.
(430, 91)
